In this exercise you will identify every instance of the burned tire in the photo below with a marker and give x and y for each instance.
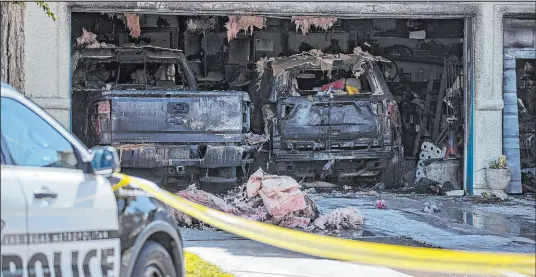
(154, 261)
(392, 176)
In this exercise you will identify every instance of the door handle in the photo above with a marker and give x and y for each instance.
(43, 193)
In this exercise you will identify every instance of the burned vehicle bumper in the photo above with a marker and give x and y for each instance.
(212, 163)
(340, 164)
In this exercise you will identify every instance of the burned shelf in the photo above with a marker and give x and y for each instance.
(138, 54)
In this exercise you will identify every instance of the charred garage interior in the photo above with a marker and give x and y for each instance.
(210, 98)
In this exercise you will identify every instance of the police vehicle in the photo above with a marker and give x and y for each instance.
(60, 216)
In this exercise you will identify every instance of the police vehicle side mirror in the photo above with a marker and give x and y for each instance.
(105, 160)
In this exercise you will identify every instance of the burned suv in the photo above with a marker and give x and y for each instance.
(144, 101)
(328, 117)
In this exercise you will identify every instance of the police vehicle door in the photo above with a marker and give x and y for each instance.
(13, 215)
(72, 216)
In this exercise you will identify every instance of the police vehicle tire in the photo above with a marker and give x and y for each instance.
(154, 261)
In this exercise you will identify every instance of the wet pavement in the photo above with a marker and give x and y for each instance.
(461, 223)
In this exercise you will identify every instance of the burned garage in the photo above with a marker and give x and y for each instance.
(352, 94)
(212, 98)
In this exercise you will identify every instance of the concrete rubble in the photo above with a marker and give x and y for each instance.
(272, 199)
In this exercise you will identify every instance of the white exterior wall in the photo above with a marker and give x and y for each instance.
(48, 56)
(47, 59)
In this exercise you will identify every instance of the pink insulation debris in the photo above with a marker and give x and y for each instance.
(280, 194)
(380, 204)
(304, 23)
(243, 22)
(87, 38)
(341, 218)
(206, 199)
(133, 24)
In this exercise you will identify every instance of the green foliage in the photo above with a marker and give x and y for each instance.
(46, 9)
(44, 6)
(499, 164)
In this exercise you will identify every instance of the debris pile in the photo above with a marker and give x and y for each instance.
(271, 199)
(281, 195)
(341, 218)
(206, 199)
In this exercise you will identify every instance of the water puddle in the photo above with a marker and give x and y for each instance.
(495, 223)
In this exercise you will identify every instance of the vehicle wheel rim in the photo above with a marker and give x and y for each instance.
(153, 271)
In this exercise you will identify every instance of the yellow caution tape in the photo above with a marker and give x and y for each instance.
(395, 256)
(123, 181)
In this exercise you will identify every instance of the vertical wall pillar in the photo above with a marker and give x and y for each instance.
(488, 92)
(519, 43)
(47, 59)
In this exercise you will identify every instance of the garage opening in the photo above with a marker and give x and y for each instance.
(308, 99)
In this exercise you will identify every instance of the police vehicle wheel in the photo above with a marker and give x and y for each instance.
(154, 261)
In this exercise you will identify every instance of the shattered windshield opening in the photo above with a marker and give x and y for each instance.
(315, 73)
(311, 81)
(130, 67)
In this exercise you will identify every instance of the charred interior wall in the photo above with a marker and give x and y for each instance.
(50, 87)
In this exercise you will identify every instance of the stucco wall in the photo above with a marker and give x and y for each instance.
(47, 59)
(48, 51)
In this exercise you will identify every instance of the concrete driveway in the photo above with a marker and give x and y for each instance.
(460, 224)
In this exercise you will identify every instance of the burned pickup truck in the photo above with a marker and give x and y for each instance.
(144, 101)
(329, 117)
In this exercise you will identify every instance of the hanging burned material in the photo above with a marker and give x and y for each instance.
(201, 24)
(304, 23)
(237, 23)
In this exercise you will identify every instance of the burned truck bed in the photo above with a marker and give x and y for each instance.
(144, 102)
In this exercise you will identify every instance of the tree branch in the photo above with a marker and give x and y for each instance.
(45, 8)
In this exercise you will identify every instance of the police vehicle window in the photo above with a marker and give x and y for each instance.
(2, 158)
(31, 141)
